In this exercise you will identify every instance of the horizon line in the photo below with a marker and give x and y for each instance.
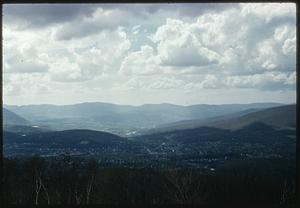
(163, 103)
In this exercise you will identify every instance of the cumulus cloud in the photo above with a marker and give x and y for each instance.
(92, 56)
(270, 11)
(177, 46)
(36, 16)
(64, 70)
(136, 29)
(19, 56)
(239, 44)
(210, 82)
(100, 53)
(186, 48)
(24, 66)
(142, 62)
(72, 61)
(159, 83)
(25, 84)
(191, 10)
(256, 44)
(267, 81)
(99, 20)
(167, 83)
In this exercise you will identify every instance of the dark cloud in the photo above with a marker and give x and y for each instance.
(40, 15)
(189, 9)
(101, 21)
(27, 67)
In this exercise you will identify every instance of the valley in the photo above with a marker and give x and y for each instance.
(258, 134)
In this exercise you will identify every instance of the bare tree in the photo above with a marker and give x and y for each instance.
(92, 169)
(89, 188)
(39, 186)
(287, 191)
(77, 196)
(181, 186)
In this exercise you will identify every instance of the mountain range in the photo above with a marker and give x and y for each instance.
(11, 118)
(253, 130)
(266, 132)
(280, 117)
(124, 119)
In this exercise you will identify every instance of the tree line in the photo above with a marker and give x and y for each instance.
(67, 180)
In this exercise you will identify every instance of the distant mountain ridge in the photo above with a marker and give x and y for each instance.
(194, 123)
(281, 116)
(253, 131)
(99, 116)
(11, 118)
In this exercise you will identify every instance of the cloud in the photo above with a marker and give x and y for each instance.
(177, 46)
(35, 16)
(142, 62)
(188, 49)
(210, 82)
(131, 84)
(167, 83)
(25, 84)
(270, 11)
(19, 56)
(89, 18)
(93, 56)
(26, 67)
(253, 42)
(151, 83)
(187, 9)
(11, 89)
(136, 29)
(64, 61)
(99, 20)
(66, 71)
(268, 81)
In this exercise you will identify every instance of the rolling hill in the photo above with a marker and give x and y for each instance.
(282, 117)
(67, 138)
(255, 131)
(105, 116)
(11, 118)
(76, 142)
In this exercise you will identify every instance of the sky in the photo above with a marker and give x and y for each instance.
(149, 53)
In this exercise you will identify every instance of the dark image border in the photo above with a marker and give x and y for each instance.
(167, 1)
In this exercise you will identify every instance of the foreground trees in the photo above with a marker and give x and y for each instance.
(67, 180)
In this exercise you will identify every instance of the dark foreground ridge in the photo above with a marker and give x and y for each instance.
(67, 180)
